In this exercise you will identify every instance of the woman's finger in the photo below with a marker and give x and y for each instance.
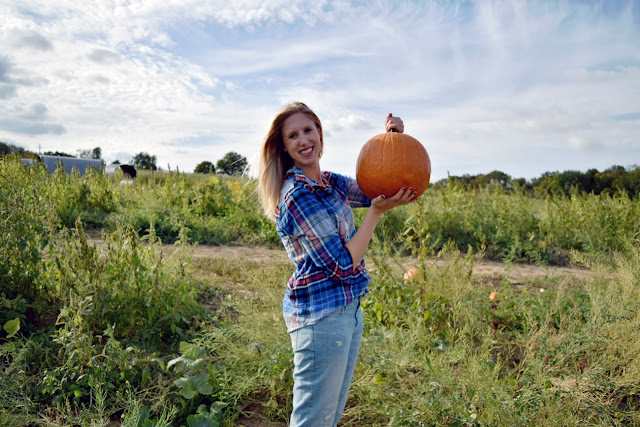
(400, 194)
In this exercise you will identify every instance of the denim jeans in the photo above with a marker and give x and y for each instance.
(324, 357)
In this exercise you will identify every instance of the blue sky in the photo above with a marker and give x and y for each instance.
(517, 86)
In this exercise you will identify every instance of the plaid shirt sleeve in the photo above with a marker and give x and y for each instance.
(314, 230)
(356, 197)
(350, 187)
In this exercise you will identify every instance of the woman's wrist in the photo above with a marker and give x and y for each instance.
(375, 213)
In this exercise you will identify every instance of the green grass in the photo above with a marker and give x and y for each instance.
(126, 333)
(440, 352)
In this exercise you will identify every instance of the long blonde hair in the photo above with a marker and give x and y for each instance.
(275, 161)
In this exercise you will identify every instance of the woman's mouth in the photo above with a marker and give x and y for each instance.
(306, 151)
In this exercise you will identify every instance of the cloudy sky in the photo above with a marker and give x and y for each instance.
(516, 86)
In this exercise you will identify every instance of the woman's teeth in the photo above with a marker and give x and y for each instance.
(307, 151)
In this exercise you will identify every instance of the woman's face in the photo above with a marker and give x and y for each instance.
(302, 140)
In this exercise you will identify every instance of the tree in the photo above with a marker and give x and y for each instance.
(6, 148)
(232, 164)
(145, 161)
(205, 167)
(497, 178)
(96, 153)
(632, 181)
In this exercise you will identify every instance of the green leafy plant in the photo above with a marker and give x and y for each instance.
(11, 327)
(207, 417)
(196, 379)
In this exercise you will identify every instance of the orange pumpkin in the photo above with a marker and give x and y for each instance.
(390, 161)
(410, 275)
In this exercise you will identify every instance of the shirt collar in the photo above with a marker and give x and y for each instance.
(299, 176)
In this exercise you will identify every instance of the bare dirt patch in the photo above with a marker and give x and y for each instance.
(512, 272)
(515, 273)
(249, 253)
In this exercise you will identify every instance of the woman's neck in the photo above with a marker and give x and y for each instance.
(313, 172)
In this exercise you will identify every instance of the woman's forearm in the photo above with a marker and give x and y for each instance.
(358, 244)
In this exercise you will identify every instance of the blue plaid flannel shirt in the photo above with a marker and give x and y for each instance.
(315, 222)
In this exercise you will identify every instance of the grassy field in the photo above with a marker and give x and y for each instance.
(117, 311)
(438, 351)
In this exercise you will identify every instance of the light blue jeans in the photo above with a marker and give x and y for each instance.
(324, 358)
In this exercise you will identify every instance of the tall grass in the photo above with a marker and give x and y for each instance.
(564, 356)
(438, 351)
(89, 317)
(513, 226)
(214, 209)
(120, 331)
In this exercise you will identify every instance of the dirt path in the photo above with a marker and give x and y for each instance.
(250, 253)
(514, 272)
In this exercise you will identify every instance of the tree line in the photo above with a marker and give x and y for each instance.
(610, 180)
(231, 164)
(613, 179)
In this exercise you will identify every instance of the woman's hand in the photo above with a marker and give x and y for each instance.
(404, 196)
(391, 122)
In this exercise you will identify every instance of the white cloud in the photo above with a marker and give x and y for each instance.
(30, 121)
(31, 40)
(583, 144)
(349, 122)
(104, 56)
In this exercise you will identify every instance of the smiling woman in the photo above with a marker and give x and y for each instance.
(321, 306)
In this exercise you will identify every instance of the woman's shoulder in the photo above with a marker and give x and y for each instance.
(293, 188)
(297, 204)
(288, 187)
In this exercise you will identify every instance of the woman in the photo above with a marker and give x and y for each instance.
(312, 211)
